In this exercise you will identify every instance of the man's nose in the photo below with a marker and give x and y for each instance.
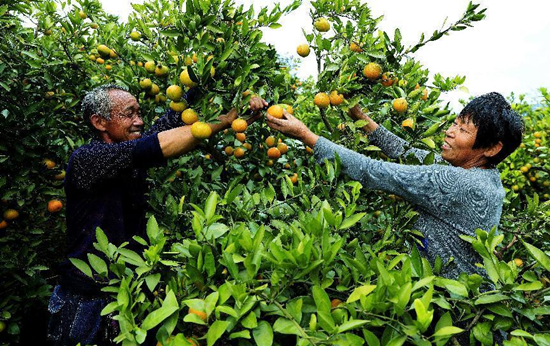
(138, 121)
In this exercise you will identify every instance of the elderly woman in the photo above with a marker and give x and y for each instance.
(451, 199)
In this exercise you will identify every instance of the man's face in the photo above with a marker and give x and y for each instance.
(458, 147)
(126, 123)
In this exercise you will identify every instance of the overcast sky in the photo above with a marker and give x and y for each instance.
(507, 52)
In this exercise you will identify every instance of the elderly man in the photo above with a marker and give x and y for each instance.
(452, 199)
(105, 187)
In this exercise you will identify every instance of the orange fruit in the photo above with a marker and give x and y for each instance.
(248, 146)
(201, 130)
(269, 163)
(239, 125)
(270, 141)
(275, 111)
(537, 134)
(372, 71)
(287, 108)
(518, 262)
(246, 93)
(524, 169)
(273, 153)
(154, 90)
(400, 105)
(241, 137)
(341, 127)
(239, 152)
(335, 303)
(140, 64)
(424, 95)
(354, 47)
(322, 25)
(112, 54)
(189, 116)
(321, 100)
(103, 50)
(150, 66)
(54, 206)
(146, 84)
(178, 106)
(135, 36)
(335, 98)
(200, 314)
(294, 178)
(11, 214)
(228, 151)
(174, 92)
(387, 80)
(108, 67)
(49, 164)
(303, 50)
(100, 61)
(186, 80)
(309, 150)
(283, 148)
(207, 157)
(409, 122)
(3, 224)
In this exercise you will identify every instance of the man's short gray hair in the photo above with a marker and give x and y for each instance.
(97, 101)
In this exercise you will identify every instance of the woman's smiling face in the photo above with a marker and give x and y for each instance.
(458, 146)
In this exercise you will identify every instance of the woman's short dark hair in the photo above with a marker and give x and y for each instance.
(496, 122)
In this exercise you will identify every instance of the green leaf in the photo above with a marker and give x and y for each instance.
(537, 254)
(452, 286)
(152, 281)
(102, 240)
(493, 298)
(250, 321)
(82, 266)
(371, 338)
(321, 298)
(152, 230)
(263, 334)
(285, 326)
(352, 220)
(97, 264)
(360, 292)
(243, 334)
(450, 330)
(215, 331)
(349, 325)
(529, 286)
(542, 339)
(169, 306)
(210, 207)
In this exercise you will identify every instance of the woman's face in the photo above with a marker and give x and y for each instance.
(458, 146)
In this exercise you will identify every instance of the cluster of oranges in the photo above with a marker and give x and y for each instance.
(101, 54)
(53, 205)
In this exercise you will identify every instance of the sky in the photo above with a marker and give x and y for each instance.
(507, 52)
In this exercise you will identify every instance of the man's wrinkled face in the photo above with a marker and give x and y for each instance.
(126, 123)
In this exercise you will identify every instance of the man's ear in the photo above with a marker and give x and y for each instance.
(98, 122)
(495, 149)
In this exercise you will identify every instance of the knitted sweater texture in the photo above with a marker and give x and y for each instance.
(450, 200)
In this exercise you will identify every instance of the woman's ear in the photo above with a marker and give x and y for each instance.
(98, 122)
(492, 151)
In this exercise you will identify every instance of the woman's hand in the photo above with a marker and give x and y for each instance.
(356, 114)
(292, 127)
